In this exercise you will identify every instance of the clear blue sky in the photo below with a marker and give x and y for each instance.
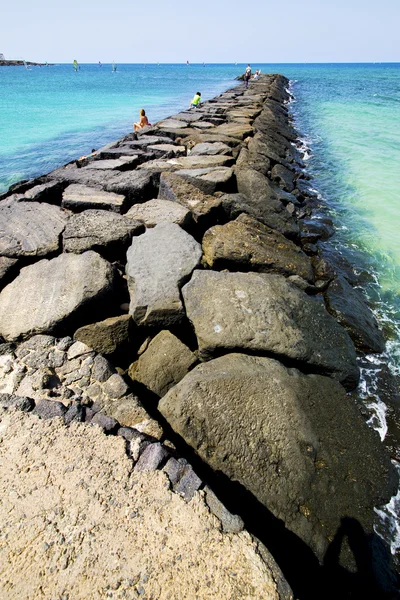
(204, 30)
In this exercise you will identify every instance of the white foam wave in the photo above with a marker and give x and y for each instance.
(388, 526)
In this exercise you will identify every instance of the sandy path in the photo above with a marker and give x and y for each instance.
(77, 523)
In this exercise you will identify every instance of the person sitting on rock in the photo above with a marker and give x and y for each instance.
(196, 100)
(143, 121)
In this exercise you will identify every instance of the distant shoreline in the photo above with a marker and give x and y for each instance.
(21, 63)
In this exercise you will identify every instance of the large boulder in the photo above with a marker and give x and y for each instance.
(297, 442)
(188, 162)
(263, 313)
(234, 130)
(349, 307)
(213, 179)
(247, 245)
(99, 230)
(52, 294)
(158, 264)
(164, 363)
(204, 208)
(156, 211)
(267, 201)
(30, 228)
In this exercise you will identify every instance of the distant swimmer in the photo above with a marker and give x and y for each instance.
(114, 67)
(143, 121)
(196, 100)
(100, 65)
(187, 62)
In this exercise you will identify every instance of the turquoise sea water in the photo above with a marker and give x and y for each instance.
(347, 114)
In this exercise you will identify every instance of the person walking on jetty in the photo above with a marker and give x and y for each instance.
(247, 76)
(143, 121)
(196, 100)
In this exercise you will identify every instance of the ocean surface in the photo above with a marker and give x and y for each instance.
(348, 116)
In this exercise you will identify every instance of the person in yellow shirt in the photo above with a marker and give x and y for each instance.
(196, 100)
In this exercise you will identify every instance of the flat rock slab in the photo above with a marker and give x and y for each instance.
(247, 245)
(210, 137)
(168, 149)
(136, 186)
(210, 149)
(81, 197)
(349, 307)
(266, 313)
(209, 180)
(188, 117)
(164, 363)
(172, 124)
(116, 164)
(295, 441)
(235, 130)
(49, 293)
(158, 263)
(45, 192)
(188, 162)
(159, 210)
(98, 230)
(146, 140)
(30, 229)
(176, 189)
(203, 125)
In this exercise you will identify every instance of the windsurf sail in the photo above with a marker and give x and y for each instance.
(75, 65)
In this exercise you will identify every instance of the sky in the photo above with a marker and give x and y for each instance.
(208, 31)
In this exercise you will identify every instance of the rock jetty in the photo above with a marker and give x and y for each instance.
(166, 309)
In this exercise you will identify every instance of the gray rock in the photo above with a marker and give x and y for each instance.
(164, 363)
(129, 411)
(135, 186)
(174, 469)
(98, 230)
(297, 442)
(151, 458)
(172, 124)
(348, 306)
(266, 313)
(30, 229)
(283, 177)
(210, 180)
(230, 523)
(265, 202)
(204, 208)
(210, 149)
(169, 150)
(107, 336)
(45, 192)
(188, 484)
(116, 164)
(187, 162)
(75, 412)
(81, 197)
(115, 386)
(48, 409)
(7, 266)
(234, 130)
(54, 292)
(17, 402)
(247, 245)
(108, 424)
(158, 263)
(153, 212)
(102, 369)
